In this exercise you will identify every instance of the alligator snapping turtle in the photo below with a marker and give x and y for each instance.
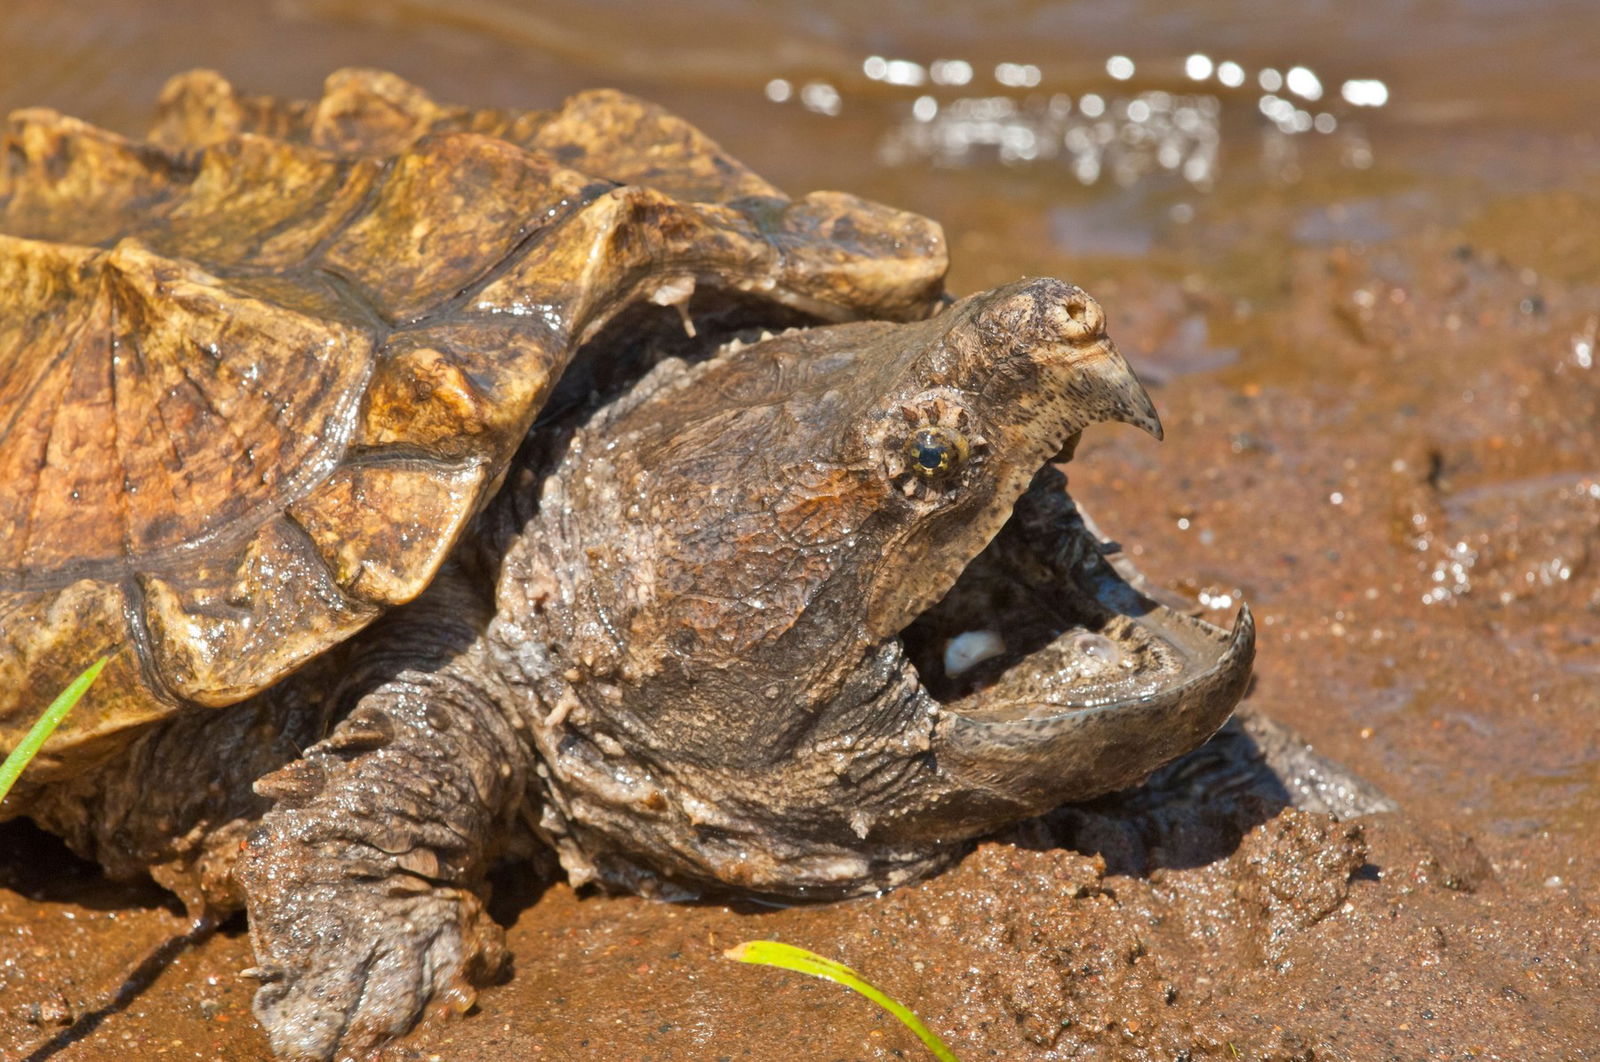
(795, 615)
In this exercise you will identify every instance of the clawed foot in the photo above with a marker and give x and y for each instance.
(349, 961)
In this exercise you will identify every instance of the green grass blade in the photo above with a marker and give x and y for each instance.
(29, 746)
(789, 957)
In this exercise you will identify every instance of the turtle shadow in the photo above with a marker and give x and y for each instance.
(1197, 810)
(39, 865)
(515, 885)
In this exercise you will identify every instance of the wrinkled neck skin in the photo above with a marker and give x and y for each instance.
(703, 602)
(706, 708)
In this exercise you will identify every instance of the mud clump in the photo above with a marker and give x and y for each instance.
(1107, 962)
(1290, 874)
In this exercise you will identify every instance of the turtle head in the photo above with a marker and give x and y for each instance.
(836, 612)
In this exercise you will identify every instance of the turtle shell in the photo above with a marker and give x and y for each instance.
(259, 370)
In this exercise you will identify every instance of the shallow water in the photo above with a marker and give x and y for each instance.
(1372, 333)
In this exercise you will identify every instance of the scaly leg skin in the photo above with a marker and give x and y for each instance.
(178, 803)
(364, 881)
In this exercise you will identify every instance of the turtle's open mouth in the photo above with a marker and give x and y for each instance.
(1044, 649)
(1041, 622)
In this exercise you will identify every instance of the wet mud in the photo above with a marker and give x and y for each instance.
(1374, 352)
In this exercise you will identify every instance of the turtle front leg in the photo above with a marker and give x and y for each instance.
(364, 882)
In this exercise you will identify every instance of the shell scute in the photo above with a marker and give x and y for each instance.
(173, 408)
(451, 209)
(215, 627)
(45, 638)
(64, 179)
(468, 385)
(383, 529)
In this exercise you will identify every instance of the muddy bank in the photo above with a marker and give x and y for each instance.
(1374, 353)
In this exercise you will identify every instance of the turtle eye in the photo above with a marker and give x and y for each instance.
(935, 451)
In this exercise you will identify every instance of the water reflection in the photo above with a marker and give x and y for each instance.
(1123, 138)
(1583, 344)
(1120, 136)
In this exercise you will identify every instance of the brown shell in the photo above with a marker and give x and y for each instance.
(258, 371)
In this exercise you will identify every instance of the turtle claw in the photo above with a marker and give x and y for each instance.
(264, 974)
(348, 966)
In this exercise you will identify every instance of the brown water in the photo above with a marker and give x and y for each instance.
(1373, 342)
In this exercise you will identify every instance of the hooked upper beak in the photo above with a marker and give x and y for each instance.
(1114, 389)
(1094, 374)
(1078, 375)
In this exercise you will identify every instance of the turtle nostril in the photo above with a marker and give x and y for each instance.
(1075, 316)
(1085, 312)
